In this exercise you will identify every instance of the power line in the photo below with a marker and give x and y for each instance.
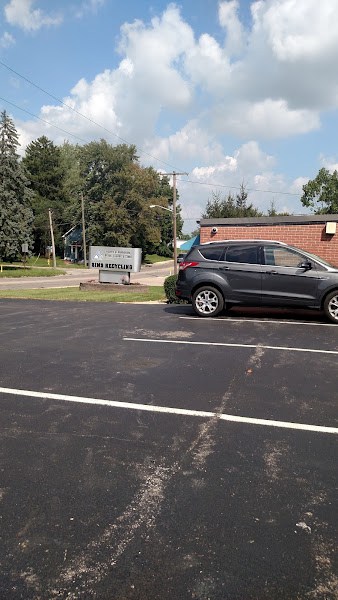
(237, 187)
(81, 114)
(219, 185)
(30, 82)
(43, 120)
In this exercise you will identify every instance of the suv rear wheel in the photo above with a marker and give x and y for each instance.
(207, 301)
(331, 306)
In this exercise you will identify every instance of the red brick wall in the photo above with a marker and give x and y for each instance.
(307, 237)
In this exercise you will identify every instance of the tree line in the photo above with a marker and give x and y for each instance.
(118, 193)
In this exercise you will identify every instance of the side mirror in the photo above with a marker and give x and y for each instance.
(306, 264)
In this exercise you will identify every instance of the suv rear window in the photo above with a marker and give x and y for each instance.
(211, 252)
(242, 254)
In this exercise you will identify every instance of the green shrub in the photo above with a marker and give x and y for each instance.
(169, 289)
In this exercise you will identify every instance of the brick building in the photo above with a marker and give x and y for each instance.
(314, 233)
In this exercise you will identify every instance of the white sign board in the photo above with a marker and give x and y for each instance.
(127, 260)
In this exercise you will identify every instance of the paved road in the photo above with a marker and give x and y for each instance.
(149, 275)
(126, 474)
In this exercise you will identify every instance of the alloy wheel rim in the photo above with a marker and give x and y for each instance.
(207, 302)
(333, 307)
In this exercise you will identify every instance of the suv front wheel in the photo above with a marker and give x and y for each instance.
(331, 306)
(207, 301)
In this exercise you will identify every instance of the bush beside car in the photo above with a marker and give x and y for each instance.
(169, 290)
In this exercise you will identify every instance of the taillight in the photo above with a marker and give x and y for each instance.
(185, 264)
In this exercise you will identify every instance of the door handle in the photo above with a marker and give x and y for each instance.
(224, 268)
(271, 272)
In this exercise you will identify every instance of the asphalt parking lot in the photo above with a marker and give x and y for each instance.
(147, 454)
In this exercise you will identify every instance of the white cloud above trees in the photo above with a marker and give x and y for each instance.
(181, 96)
(22, 14)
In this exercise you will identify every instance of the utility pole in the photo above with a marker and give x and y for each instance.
(83, 232)
(173, 175)
(52, 236)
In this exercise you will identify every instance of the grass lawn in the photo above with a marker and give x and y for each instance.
(155, 293)
(18, 271)
(150, 259)
(40, 261)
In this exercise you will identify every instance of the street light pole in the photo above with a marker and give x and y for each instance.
(173, 175)
(174, 223)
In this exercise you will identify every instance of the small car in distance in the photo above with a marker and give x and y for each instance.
(181, 256)
(218, 275)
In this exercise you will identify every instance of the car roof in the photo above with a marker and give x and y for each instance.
(246, 241)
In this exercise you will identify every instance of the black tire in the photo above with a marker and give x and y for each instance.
(207, 301)
(331, 306)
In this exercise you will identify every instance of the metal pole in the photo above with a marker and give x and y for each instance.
(174, 223)
(52, 236)
(83, 232)
(174, 174)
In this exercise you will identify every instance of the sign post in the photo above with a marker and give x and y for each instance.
(115, 264)
(24, 250)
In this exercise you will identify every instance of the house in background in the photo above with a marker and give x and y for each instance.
(72, 244)
(313, 233)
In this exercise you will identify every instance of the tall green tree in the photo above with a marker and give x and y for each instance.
(15, 212)
(72, 182)
(321, 193)
(118, 193)
(44, 168)
(230, 206)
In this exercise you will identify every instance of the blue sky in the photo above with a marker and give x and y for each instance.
(229, 91)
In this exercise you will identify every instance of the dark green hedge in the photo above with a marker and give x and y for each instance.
(169, 289)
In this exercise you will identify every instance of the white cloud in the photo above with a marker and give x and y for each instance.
(266, 119)
(208, 65)
(248, 165)
(265, 93)
(297, 185)
(155, 52)
(228, 18)
(182, 98)
(291, 53)
(21, 13)
(300, 30)
(89, 6)
(190, 143)
(6, 40)
(329, 162)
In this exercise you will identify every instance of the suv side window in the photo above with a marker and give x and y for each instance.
(211, 252)
(281, 257)
(242, 254)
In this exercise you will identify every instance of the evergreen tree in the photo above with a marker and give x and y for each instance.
(44, 169)
(15, 212)
(272, 211)
(230, 206)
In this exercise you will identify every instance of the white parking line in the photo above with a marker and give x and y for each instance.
(248, 320)
(171, 411)
(290, 349)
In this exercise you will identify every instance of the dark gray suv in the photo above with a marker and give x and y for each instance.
(218, 275)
